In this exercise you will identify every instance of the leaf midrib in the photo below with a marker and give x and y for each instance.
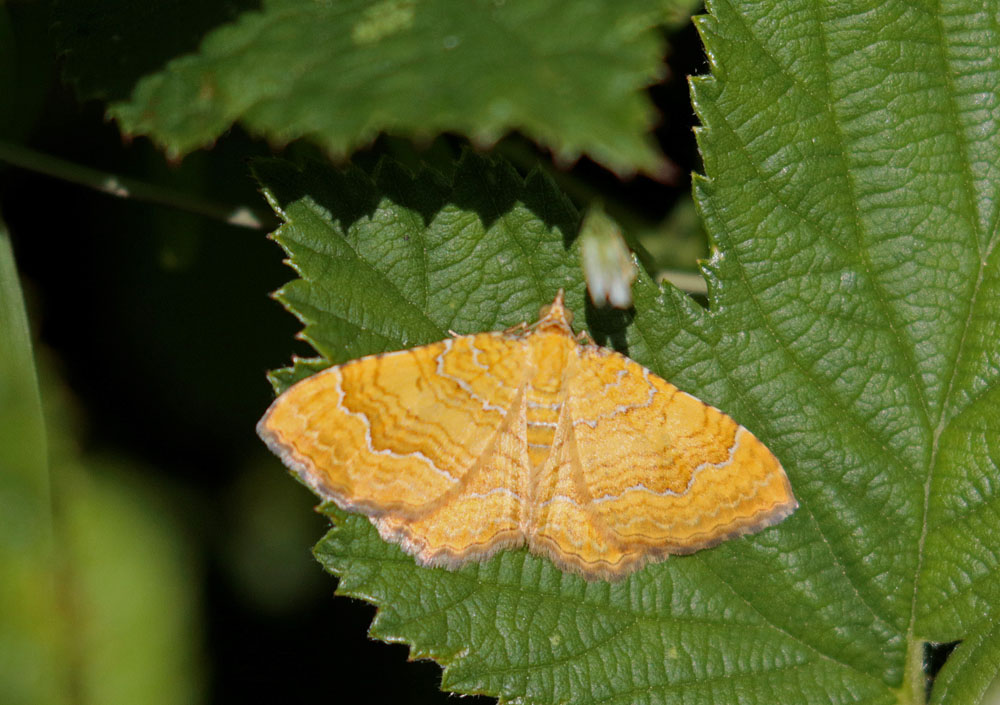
(947, 415)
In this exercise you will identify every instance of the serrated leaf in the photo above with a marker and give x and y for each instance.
(396, 261)
(853, 327)
(439, 257)
(341, 73)
(865, 152)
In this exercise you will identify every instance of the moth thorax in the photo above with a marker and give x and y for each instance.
(550, 353)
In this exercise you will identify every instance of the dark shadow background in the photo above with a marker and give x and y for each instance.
(159, 323)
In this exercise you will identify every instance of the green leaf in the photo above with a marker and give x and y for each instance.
(869, 158)
(341, 73)
(397, 260)
(30, 632)
(851, 196)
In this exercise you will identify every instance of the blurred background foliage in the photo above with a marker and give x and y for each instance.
(178, 568)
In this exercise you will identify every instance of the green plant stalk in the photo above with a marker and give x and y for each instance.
(124, 187)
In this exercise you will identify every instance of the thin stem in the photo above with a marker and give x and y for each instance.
(124, 187)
